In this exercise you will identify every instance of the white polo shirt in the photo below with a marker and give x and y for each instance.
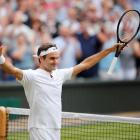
(44, 96)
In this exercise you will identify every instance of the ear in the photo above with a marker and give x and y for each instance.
(40, 59)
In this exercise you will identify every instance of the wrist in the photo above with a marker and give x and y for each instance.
(2, 59)
(113, 49)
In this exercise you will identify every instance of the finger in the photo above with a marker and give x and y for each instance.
(122, 46)
(119, 44)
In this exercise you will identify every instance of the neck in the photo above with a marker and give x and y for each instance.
(50, 72)
(46, 69)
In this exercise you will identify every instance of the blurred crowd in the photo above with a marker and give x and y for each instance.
(79, 28)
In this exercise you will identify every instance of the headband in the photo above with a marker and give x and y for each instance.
(45, 52)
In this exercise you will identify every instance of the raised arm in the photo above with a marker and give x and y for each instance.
(93, 59)
(8, 67)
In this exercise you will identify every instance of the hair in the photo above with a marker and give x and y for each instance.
(45, 47)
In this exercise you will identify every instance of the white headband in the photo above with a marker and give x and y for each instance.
(45, 52)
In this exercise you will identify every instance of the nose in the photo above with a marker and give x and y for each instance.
(55, 61)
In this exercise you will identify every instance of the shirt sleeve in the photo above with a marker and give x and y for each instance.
(66, 73)
(27, 78)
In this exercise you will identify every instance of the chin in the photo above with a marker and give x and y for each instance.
(54, 68)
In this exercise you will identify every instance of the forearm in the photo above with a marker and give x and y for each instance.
(10, 69)
(94, 59)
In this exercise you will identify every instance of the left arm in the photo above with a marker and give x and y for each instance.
(93, 59)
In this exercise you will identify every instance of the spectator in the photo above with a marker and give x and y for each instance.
(52, 23)
(17, 27)
(37, 28)
(22, 5)
(61, 9)
(137, 56)
(109, 27)
(22, 52)
(122, 5)
(93, 19)
(69, 47)
(3, 75)
(128, 64)
(105, 64)
(135, 4)
(72, 20)
(4, 21)
(90, 44)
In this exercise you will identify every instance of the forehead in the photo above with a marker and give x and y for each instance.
(53, 54)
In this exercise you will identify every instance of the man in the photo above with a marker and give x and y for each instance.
(90, 44)
(43, 88)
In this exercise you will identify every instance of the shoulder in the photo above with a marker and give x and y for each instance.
(64, 73)
(28, 74)
(29, 71)
(65, 70)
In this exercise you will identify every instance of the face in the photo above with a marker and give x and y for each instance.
(21, 39)
(50, 62)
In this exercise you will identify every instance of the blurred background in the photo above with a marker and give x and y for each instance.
(79, 28)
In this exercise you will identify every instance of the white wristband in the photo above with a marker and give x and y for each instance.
(2, 59)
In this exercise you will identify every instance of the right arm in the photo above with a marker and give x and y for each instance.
(10, 69)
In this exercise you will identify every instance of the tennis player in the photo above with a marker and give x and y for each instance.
(43, 88)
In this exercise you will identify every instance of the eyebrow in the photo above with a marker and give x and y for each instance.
(54, 56)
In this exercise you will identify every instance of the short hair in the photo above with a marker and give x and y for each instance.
(45, 47)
